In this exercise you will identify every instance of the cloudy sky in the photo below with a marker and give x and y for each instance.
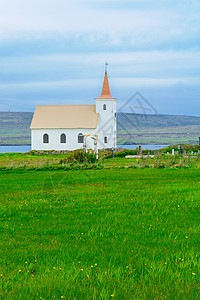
(54, 51)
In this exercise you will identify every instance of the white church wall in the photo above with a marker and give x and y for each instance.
(107, 122)
(54, 139)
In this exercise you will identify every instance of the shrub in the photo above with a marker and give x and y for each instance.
(129, 152)
(80, 157)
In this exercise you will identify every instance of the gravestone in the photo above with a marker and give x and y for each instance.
(112, 152)
(178, 149)
(140, 150)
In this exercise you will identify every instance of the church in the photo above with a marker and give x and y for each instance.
(70, 127)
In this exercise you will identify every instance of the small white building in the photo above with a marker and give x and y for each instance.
(67, 127)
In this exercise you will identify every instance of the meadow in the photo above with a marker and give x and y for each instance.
(113, 233)
(55, 160)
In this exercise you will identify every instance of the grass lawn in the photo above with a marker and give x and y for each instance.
(100, 234)
(55, 161)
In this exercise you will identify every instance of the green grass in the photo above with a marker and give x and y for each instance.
(100, 234)
(43, 161)
(9, 160)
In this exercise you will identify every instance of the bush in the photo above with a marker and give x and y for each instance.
(129, 152)
(80, 157)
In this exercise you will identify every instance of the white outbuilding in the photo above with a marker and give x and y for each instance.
(69, 127)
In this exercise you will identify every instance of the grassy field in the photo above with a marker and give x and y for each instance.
(34, 160)
(117, 233)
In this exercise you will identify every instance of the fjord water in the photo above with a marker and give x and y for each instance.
(23, 149)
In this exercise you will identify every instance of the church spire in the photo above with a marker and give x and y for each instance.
(105, 94)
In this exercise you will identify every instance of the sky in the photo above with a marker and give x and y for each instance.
(54, 52)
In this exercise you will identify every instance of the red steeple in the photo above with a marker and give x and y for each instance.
(105, 94)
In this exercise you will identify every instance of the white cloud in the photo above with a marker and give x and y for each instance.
(112, 30)
(139, 26)
(145, 64)
(114, 82)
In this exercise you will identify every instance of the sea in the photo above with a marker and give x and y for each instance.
(23, 149)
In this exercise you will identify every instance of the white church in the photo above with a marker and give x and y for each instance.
(70, 127)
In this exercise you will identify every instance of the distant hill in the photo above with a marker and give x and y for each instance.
(131, 128)
(157, 129)
(130, 120)
(14, 128)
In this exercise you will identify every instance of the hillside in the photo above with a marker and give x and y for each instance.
(157, 129)
(131, 128)
(14, 128)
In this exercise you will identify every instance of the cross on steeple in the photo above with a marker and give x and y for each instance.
(105, 94)
(106, 66)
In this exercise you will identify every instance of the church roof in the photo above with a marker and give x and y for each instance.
(64, 116)
(105, 94)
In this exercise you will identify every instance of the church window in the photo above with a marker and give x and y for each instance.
(105, 139)
(45, 138)
(63, 138)
(104, 107)
(80, 138)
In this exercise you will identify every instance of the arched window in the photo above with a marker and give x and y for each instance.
(80, 138)
(63, 138)
(104, 107)
(105, 139)
(45, 138)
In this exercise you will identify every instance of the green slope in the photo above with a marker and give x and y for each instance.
(14, 128)
(157, 129)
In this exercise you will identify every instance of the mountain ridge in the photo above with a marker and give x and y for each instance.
(131, 128)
